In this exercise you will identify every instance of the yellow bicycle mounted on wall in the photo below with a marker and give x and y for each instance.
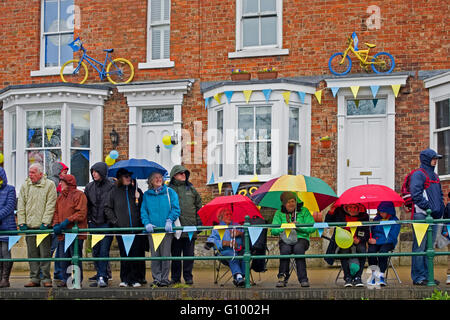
(119, 70)
(340, 63)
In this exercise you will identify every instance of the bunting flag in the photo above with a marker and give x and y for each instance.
(267, 93)
(386, 226)
(40, 237)
(49, 134)
(30, 134)
(318, 95)
(247, 94)
(128, 241)
(221, 230)
(375, 101)
(211, 181)
(217, 97)
(219, 185)
(190, 230)
(255, 178)
(301, 96)
(320, 226)
(254, 233)
(334, 90)
(420, 229)
(229, 94)
(207, 102)
(235, 186)
(353, 225)
(68, 239)
(12, 240)
(96, 238)
(355, 90)
(396, 89)
(286, 96)
(287, 228)
(374, 90)
(157, 239)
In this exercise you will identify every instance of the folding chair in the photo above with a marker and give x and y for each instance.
(218, 265)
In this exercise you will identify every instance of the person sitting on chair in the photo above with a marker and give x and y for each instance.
(231, 244)
(379, 242)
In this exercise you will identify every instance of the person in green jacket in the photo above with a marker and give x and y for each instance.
(190, 202)
(297, 242)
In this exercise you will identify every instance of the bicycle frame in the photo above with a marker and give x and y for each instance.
(362, 55)
(91, 61)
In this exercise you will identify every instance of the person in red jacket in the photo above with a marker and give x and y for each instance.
(71, 207)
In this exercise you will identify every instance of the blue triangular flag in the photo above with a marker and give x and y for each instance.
(235, 186)
(267, 93)
(301, 96)
(374, 90)
(12, 240)
(254, 233)
(334, 90)
(207, 102)
(229, 94)
(190, 230)
(128, 241)
(320, 226)
(386, 226)
(211, 181)
(68, 239)
(375, 101)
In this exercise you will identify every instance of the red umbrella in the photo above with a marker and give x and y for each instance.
(370, 195)
(240, 205)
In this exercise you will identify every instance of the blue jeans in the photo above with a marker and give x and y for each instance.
(236, 266)
(101, 250)
(64, 274)
(57, 264)
(419, 264)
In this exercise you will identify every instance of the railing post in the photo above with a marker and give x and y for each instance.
(247, 255)
(76, 260)
(430, 250)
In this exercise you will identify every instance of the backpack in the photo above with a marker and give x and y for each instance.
(405, 191)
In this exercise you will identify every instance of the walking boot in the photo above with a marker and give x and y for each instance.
(6, 271)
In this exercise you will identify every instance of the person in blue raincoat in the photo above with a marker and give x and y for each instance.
(7, 222)
(160, 208)
(426, 193)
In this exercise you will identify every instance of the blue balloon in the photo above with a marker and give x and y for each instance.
(114, 154)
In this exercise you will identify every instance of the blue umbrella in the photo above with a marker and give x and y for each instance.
(141, 168)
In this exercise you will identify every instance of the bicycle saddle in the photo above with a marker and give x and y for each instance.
(370, 45)
(108, 50)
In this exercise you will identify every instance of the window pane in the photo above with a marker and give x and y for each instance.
(250, 6)
(443, 114)
(443, 138)
(263, 158)
(250, 32)
(246, 158)
(220, 126)
(166, 10)
(268, 5)
(268, 30)
(156, 8)
(157, 115)
(166, 33)
(52, 128)
(66, 14)
(66, 51)
(366, 107)
(245, 123)
(51, 16)
(219, 157)
(51, 156)
(156, 43)
(292, 158)
(34, 129)
(51, 50)
(293, 124)
(35, 156)
(79, 166)
(80, 129)
(263, 123)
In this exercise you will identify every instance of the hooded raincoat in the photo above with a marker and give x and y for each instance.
(7, 205)
(378, 230)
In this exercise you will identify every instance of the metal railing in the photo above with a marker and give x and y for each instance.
(430, 253)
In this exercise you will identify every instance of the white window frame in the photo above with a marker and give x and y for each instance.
(259, 51)
(156, 63)
(279, 129)
(43, 70)
(439, 89)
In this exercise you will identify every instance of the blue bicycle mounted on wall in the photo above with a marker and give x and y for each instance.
(118, 70)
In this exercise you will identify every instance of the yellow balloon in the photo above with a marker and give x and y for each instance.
(1, 157)
(109, 161)
(343, 238)
(167, 140)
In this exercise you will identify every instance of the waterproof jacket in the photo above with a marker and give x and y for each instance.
(340, 215)
(434, 193)
(303, 217)
(57, 167)
(71, 205)
(157, 207)
(121, 208)
(7, 205)
(96, 193)
(36, 204)
(378, 230)
(215, 238)
(189, 199)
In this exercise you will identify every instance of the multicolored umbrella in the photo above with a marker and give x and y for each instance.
(315, 193)
(370, 195)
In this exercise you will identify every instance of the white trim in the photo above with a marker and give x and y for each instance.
(437, 80)
(156, 64)
(54, 71)
(260, 52)
(385, 80)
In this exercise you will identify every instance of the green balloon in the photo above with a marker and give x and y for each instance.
(343, 238)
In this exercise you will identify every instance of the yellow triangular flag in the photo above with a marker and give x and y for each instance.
(287, 96)
(355, 90)
(157, 239)
(247, 94)
(219, 185)
(221, 230)
(40, 237)
(96, 238)
(217, 96)
(287, 228)
(396, 89)
(318, 95)
(49, 134)
(420, 229)
(353, 225)
(255, 178)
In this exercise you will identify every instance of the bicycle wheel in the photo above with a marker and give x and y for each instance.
(383, 62)
(120, 70)
(79, 74)
(338, 68)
